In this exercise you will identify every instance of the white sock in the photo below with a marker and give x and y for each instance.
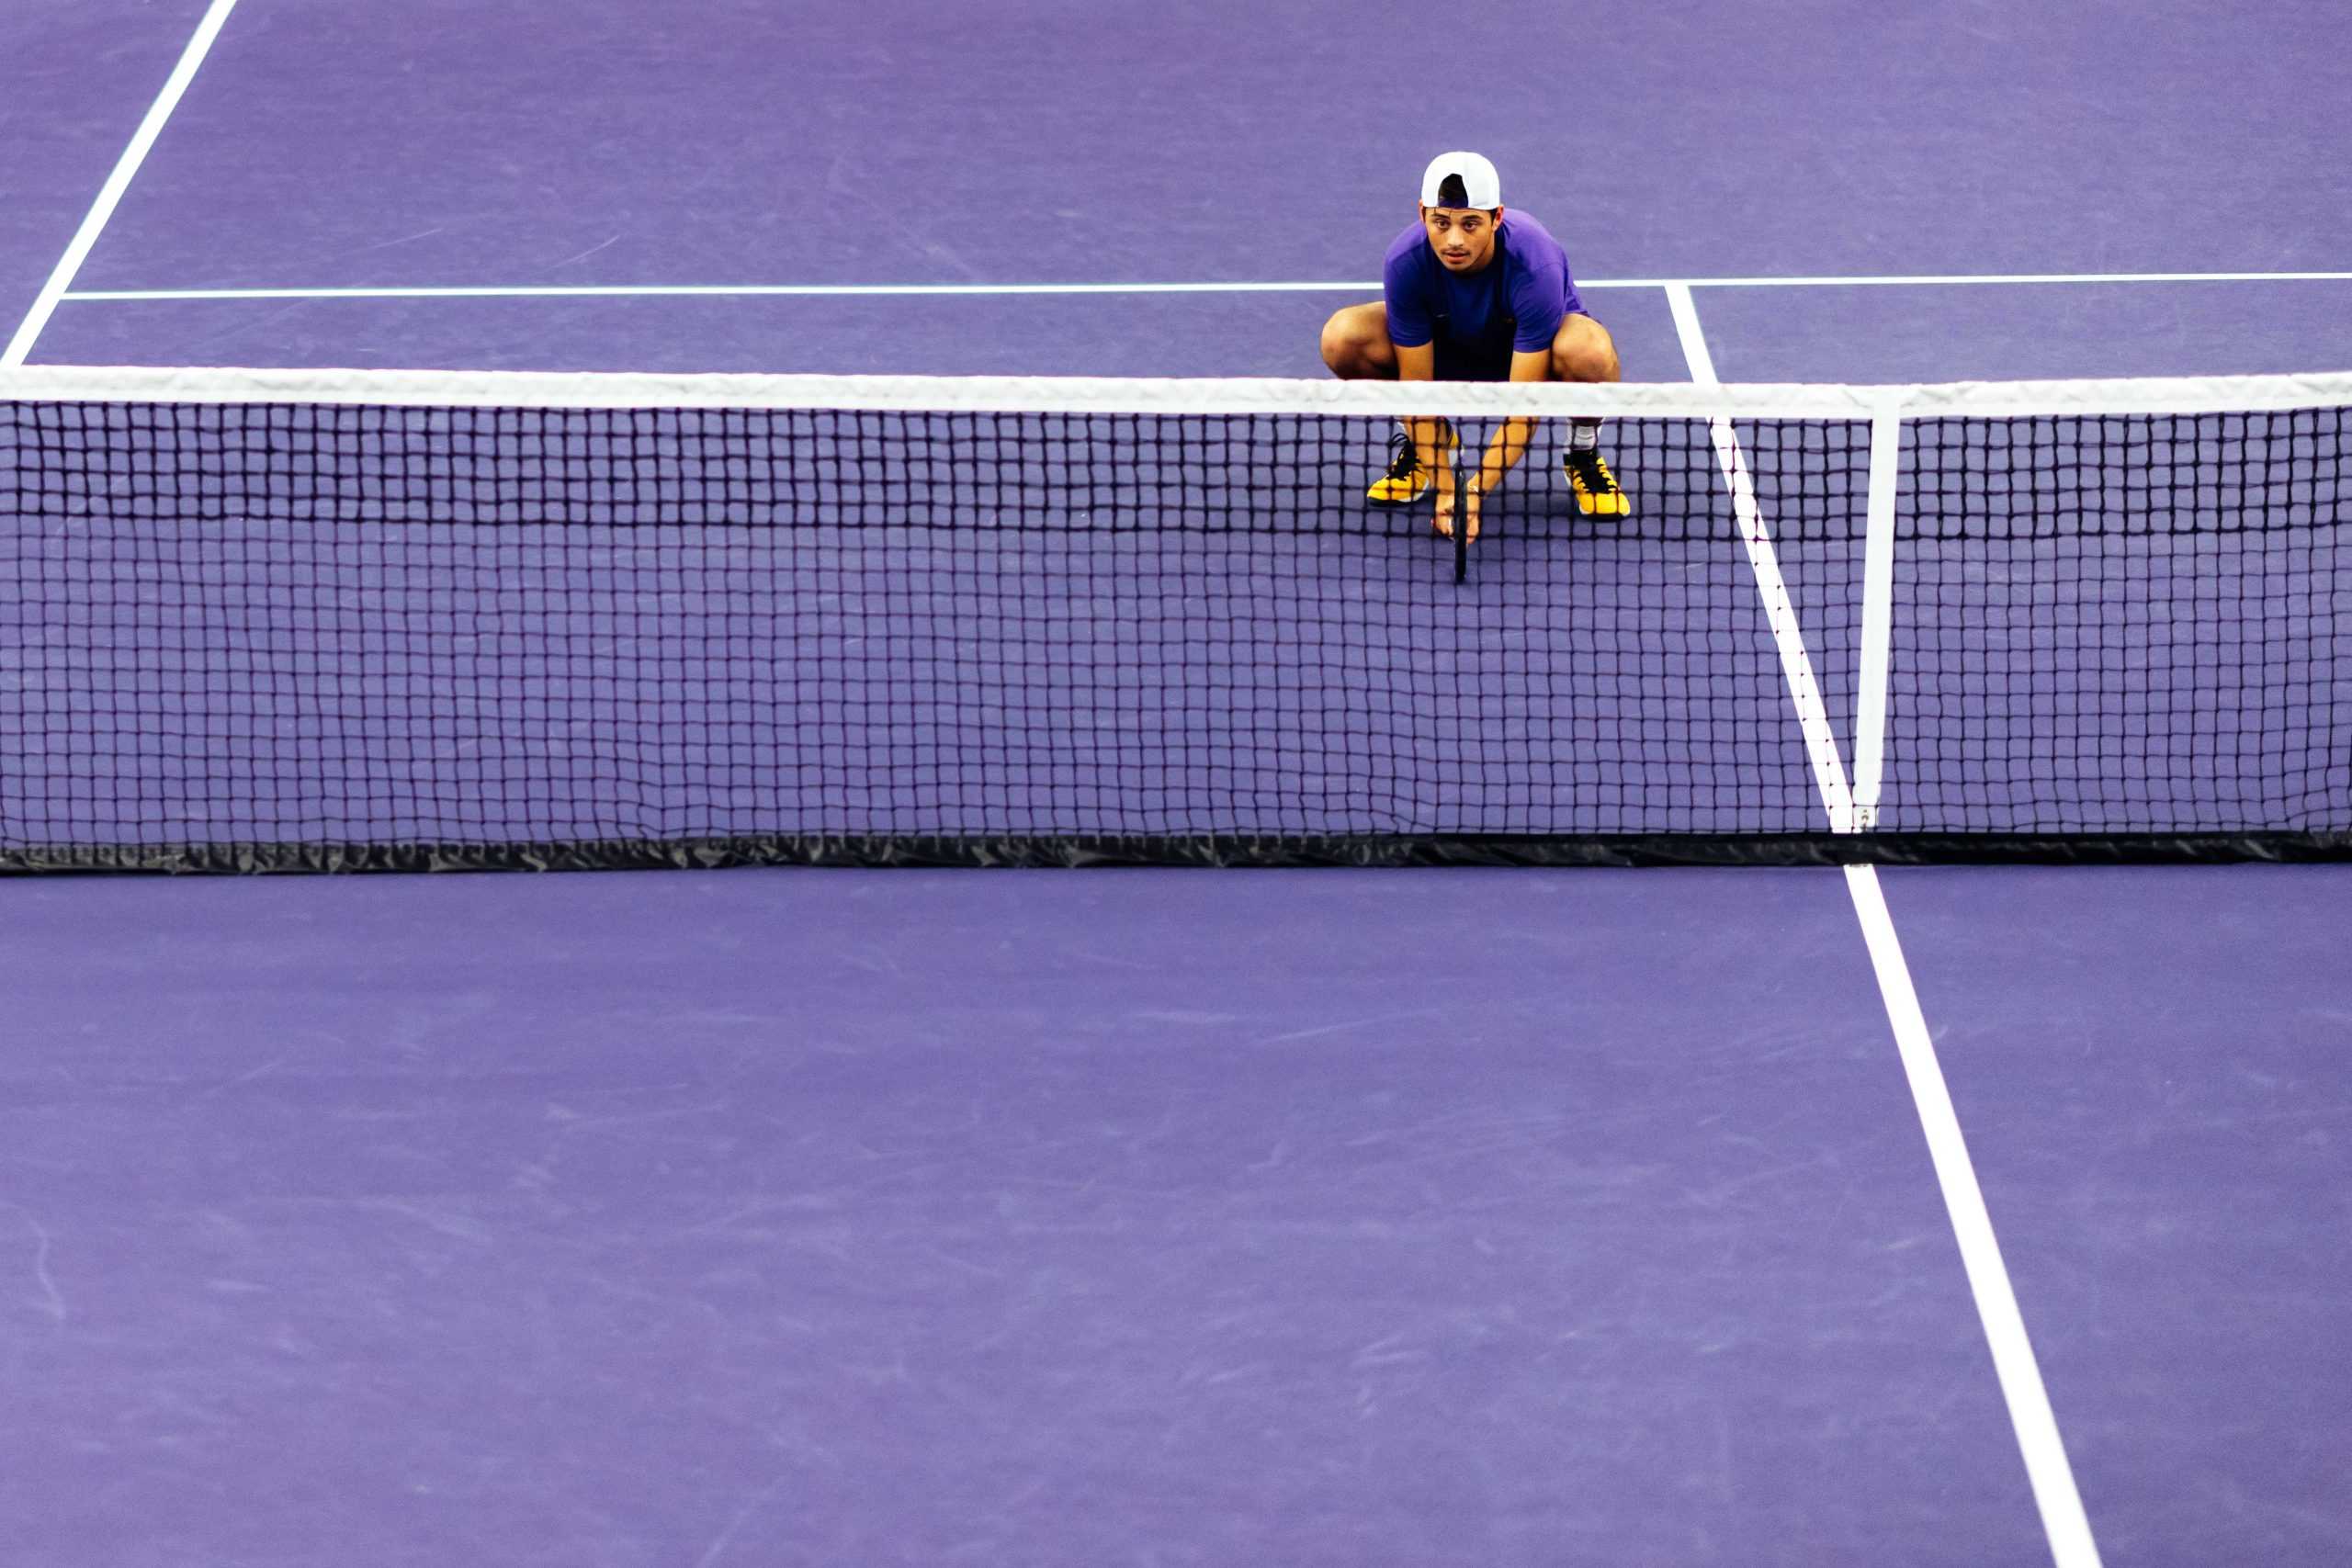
(1583, 435)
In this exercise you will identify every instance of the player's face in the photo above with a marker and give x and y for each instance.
(1463, 237)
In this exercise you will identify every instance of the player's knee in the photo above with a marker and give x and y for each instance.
(1588, 355)
(1342, 345)
(1346, 350)
(1335, 344)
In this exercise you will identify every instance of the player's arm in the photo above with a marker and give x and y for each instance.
(1508, 443)
(1503, 449)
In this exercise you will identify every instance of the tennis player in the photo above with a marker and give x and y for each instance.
(1474, 293)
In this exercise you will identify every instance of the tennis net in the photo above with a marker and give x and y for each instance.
(270, 620)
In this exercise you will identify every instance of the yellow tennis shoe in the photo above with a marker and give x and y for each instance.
(1407, 478)
(1596, 487)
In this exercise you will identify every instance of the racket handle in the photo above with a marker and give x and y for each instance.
(1461, 544)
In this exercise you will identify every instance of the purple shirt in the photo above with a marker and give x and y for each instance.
(1519, 297)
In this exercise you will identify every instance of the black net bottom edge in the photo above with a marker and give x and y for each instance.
(1043, 851)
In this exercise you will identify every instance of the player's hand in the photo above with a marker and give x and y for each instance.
(1452, 501)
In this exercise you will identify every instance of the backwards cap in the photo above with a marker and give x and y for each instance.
(1481, 187)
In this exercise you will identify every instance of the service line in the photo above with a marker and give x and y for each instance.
(819, 290)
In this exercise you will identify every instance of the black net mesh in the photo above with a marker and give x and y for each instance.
(2120, 625)
(321, 635)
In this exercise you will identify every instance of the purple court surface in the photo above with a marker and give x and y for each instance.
(1504, 1217)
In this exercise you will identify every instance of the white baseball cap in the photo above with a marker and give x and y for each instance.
(1479, 181)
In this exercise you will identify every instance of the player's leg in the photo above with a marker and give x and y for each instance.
(1583, 351)
(1356, 348)
(1356, 345)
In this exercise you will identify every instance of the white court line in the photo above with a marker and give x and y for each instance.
(1878, 615)
(755, 290)
(62, 277)
(2064, 1522)
(1962, 279)
(2019, 1374)
(712, 290)
(1755, 534)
